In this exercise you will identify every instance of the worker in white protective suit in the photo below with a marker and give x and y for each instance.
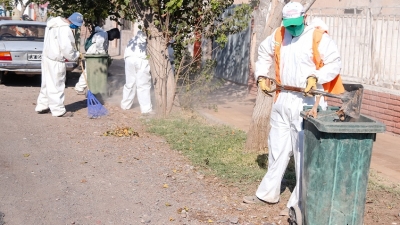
(99, 46)
(295, 68)
(137, 74)
(58, 46)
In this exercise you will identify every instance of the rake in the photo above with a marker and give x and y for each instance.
(351, 98)
(95, 108)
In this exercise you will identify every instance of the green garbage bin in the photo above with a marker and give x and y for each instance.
(97, 70)
(337, 157)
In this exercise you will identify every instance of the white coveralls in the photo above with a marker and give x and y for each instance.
(59, 44)
(99, 46)
(137, 74)
(286, 135)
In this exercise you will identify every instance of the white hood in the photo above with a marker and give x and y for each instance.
(57, 22)
(318, 23)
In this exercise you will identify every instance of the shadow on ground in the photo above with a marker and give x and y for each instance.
(13, 80)
(1, 218)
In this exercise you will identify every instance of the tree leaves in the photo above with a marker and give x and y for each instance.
(93, 11)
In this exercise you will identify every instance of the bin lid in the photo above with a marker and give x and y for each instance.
(96, 55)
(326, 121)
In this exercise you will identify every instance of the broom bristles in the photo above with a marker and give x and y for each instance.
(95, 108)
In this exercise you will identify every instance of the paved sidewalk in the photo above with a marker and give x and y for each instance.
(229, 105)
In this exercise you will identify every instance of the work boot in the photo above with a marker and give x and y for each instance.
(83, 92)
(150, 114)
(44, 111)
(253, 200)
(284, 212)
(67, 114)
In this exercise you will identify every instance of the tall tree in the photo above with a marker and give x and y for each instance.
(178, 23)
(267, 17)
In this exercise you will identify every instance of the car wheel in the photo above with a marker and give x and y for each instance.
(1, 77)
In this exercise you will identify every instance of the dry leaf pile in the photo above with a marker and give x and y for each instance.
(122, 132)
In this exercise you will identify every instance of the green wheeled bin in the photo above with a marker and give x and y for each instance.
(97, 71)
(336, 161)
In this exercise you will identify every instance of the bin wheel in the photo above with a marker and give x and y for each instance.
(295, 217)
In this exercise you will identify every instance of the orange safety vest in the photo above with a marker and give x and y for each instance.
(335, 86)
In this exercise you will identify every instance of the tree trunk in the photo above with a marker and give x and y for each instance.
(267, 18)
(161, 70)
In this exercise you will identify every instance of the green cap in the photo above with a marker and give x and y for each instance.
(293, 21)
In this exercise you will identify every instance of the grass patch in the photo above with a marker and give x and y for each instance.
(378, 183)
(216, 148)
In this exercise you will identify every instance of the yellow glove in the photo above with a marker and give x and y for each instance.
(311, 84)
(262, 83)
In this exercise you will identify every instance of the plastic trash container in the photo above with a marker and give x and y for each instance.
(337, 157)
(97, 71)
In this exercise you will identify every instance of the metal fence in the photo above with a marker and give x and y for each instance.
(233, 60)
(369, 42)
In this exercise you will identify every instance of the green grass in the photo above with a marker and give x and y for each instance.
(218, 150)
(215, 148)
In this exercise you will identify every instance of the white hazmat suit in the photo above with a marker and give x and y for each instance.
(59, 44)
(99, 46)
(286, 135)
(137, 74)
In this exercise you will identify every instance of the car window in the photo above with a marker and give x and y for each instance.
(12, 32)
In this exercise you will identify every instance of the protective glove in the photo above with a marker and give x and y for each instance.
(311, 84)
(262, 83)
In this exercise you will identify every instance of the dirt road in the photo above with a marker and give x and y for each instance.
(63, 171)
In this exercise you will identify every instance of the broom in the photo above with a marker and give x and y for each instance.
(95, 108)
